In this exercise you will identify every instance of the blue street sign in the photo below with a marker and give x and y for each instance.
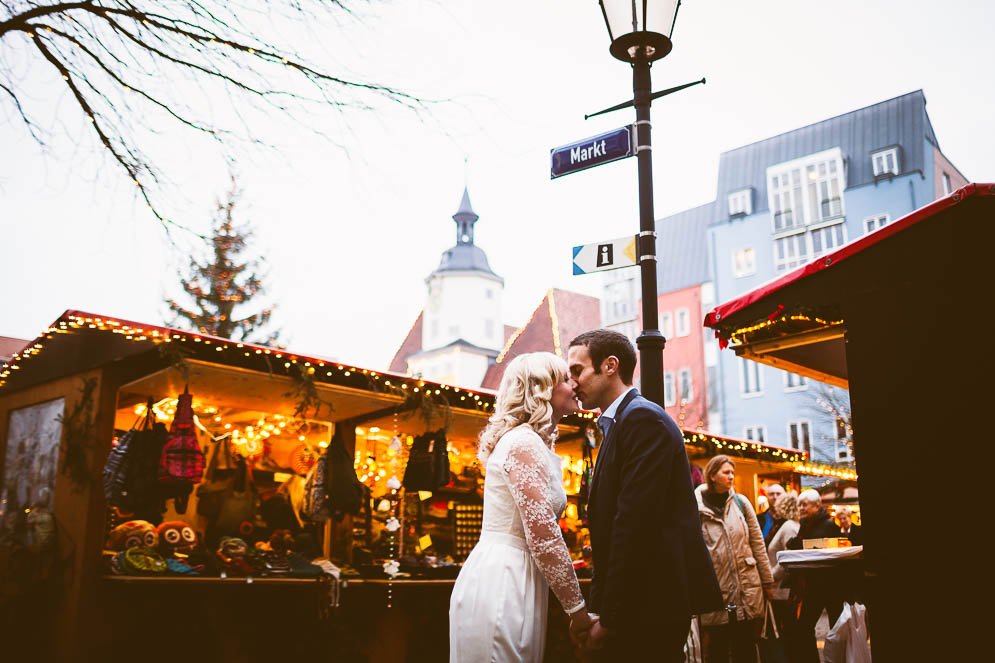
(590, 152)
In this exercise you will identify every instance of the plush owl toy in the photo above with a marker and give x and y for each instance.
(132, 533)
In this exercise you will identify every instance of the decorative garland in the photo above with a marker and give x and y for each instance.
(80, 436)
(780, 323)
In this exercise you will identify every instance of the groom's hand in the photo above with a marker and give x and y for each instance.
(597, 636)
(580, 626)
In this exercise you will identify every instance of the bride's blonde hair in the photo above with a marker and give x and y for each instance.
(524, 398)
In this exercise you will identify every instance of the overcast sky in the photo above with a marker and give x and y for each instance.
(350, 234)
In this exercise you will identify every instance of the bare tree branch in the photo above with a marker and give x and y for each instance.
(121, 61)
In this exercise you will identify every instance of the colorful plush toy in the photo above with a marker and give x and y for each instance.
(176, 539)
(132, 533)
(232, 556)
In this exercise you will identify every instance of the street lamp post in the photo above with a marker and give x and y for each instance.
(640, 34)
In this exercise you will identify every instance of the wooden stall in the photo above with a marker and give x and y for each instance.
(897, 317)
(74, 393)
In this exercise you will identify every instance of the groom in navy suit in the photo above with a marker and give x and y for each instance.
(652, 571)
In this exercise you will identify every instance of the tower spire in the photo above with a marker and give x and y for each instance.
(465, 218)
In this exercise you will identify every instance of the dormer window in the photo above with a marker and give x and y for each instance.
(885, 162)
(741, 202)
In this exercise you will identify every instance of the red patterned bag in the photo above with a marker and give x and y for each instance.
(182, 460)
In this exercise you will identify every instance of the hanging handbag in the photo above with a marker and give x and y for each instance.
(316, 490)
(239, 507)
(770, 644)
(120, 462)
(440, 459)
(212, 490)
(346, 493)
(419, 473)
(181, 463)
(182, 459)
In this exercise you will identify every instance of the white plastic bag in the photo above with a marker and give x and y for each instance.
(857, 649)
(692, 648)
(847, 639)
(838, 638)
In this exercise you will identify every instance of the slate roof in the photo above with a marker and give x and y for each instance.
(682, 248)
(560, 316)
(463, 258)
(899, 121)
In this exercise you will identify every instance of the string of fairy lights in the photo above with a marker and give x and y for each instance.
(342, 373)
(739, 336)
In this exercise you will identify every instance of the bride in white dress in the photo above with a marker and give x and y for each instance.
(497, 613)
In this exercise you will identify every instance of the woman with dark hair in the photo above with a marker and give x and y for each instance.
(735, 542)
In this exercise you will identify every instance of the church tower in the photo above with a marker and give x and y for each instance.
(462, 329)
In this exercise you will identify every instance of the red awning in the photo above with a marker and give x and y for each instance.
(724, 311)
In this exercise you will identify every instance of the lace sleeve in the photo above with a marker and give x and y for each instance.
(528, 476)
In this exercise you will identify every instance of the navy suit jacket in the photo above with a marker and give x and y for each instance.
(650, 560)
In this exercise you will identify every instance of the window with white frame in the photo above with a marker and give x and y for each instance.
(828, 238)
(750, 383)
(684, 381)
(806, 191)
(800, 435)
(741, 202)
(872, 223)
(844, 452)
(755, 434)
(946, 184)
(825, 190)
(667, 324)
(683, 322)
(790, 251)
(619, 301)
(794, 382)
(885, 161)
(785, 192)
(744, 263)
(669, 389)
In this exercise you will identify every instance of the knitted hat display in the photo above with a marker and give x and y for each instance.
(132, 533)
(142, 560)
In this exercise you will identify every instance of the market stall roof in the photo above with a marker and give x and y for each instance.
(784, 324)
(79, 341)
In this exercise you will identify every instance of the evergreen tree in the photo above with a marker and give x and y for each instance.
(225, 282)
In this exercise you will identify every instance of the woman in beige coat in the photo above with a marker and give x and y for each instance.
(736, 544)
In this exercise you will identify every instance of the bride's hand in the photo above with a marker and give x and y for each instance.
(580, 626)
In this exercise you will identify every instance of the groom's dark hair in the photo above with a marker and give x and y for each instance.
(604, 343)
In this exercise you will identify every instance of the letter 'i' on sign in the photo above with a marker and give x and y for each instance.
(604, 255)
(601, 256)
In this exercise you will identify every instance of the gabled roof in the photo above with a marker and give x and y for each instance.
(461, 343)
(9, 346)
(899, 121)
(560, 316)
(682, 248)
(412, 344)
(409, 346)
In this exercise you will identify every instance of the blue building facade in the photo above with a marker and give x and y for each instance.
(780, 203)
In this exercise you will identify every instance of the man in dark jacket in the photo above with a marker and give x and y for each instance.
(847, 528)
(820, 589)
(651, 568)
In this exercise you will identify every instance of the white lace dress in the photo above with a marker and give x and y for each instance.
(497, 613)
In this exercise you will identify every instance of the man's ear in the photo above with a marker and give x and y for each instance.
(610, 365)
